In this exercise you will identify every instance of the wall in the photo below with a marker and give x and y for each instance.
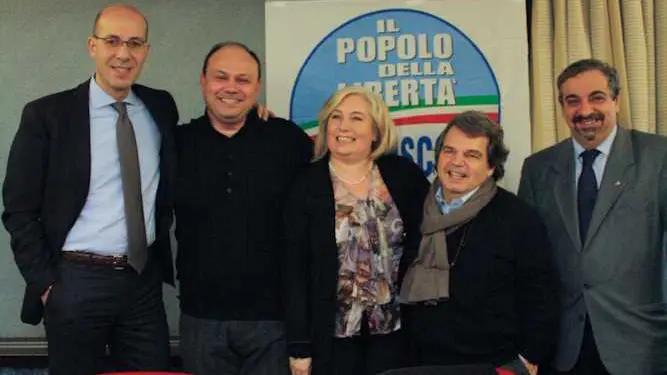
(44, 51)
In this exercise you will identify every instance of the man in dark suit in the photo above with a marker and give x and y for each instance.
(603, 196)
(87, 205)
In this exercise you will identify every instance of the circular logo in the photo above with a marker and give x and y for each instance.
(426, 70)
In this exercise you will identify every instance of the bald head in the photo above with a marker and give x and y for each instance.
(119, 8)
(119, 48)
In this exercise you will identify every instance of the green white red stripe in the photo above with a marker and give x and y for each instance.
(422, 114)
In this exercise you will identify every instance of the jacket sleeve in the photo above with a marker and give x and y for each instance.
(537, 289)
(296, 265)
(23, 194)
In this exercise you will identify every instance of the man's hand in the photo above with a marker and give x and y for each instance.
(264, 113)
(300, 366)
(45, 296)
(532, 369)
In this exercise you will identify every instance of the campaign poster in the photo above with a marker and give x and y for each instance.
(428, 60)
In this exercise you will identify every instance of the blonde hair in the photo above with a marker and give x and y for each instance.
(383, 126)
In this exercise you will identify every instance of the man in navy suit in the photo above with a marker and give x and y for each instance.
(66, 205)
(603, 196)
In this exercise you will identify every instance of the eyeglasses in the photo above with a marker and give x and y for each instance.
(114, 41)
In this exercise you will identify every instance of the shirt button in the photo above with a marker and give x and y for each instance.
(229, 190)
(229, 173)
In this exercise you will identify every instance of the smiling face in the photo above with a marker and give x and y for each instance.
(589, 108)
(350, 129)
(117, 68)
(230, 86)
(463, 163)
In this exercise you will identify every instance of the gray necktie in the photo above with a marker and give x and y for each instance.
(137, 251)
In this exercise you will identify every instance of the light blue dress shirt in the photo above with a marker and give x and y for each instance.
(446, 208)
(600, 161)
(100, 227)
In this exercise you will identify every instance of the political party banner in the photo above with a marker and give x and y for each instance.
(428, 60)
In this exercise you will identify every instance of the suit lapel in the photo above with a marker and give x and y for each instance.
(564, 191)
(79, 136)
(153, 106)
(156, 108)
(619, 166)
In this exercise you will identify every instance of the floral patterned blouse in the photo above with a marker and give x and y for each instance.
(369, 234)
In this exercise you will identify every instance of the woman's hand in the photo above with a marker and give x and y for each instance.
(300, 366)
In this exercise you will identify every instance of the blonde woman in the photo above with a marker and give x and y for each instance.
(351, 230)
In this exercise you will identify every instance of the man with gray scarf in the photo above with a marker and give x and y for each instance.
(483, 287)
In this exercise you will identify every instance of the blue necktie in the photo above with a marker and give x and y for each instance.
(587, 191)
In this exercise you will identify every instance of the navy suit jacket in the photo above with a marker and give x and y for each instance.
(48, 177)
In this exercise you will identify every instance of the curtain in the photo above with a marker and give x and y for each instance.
(631, 35)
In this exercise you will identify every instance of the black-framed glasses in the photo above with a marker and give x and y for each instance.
(114, 41)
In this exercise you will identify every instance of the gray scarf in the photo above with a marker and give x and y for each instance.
(428, 276)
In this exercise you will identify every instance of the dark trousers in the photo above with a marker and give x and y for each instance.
(368, 354)
(213, 347)
(589, 362)
(93, 309)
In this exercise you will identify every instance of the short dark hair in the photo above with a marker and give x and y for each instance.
(587, 65)
(477, 124)
(222, 45)
(126, 6)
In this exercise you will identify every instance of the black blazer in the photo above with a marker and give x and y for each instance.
(311, 255)
(47, 182)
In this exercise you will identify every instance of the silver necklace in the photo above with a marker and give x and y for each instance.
(357, 182)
